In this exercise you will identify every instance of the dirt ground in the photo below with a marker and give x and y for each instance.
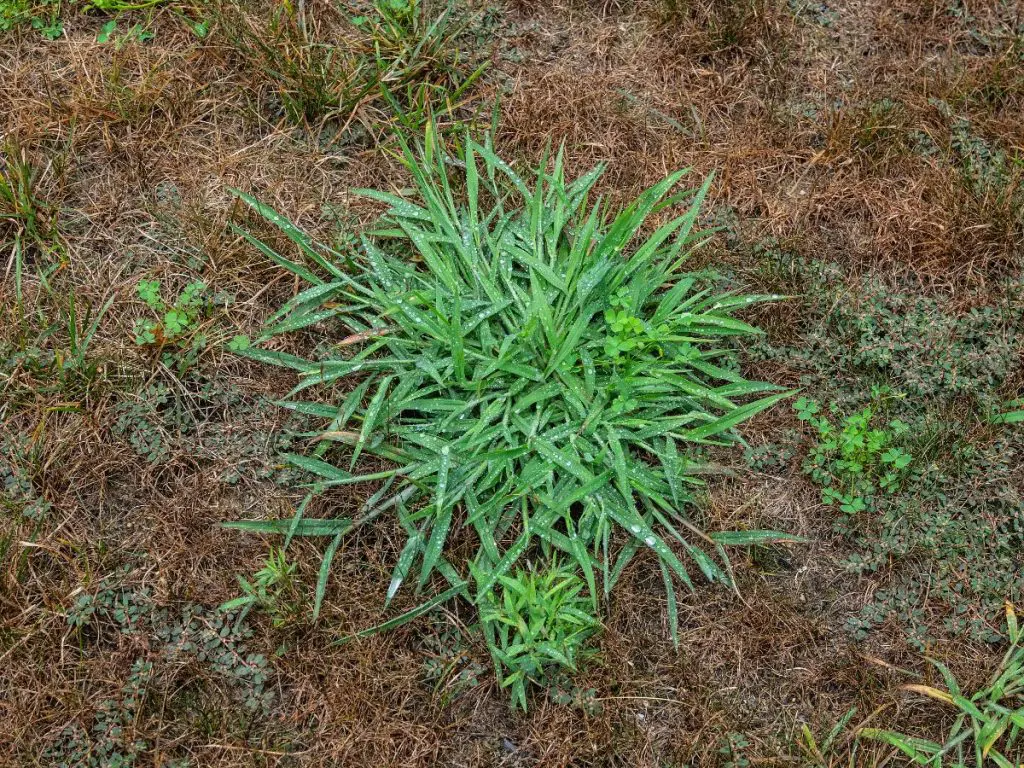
(111, 648)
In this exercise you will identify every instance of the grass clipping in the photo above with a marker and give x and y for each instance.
(530, 367)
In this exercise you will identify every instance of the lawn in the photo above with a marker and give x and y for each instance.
(627, 383)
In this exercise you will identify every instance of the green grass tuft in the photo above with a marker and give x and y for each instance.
(989, 722)
(531, 368)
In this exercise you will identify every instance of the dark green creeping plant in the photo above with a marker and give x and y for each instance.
(528, 366)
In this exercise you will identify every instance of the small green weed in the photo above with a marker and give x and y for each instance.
(54, 351)
(176, 329)
(989, 723)
(856, 462)
(272, 590)
(76, 360)
(629, 333)
(176, 319)
(538, 627)
(42, 15)
(136, 33)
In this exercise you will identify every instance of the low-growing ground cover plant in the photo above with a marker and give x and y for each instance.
(489, 370)
(162, 641)
(856, 460)
(921, 398)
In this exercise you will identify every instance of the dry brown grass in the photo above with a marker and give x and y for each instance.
(140, 146)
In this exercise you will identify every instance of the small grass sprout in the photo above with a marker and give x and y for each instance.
(820, 751)
(538, 626)
(272, 589)
(27, 222)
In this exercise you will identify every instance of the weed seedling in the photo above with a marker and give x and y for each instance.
(856, 461)
(176, 325)
(137, 33)
(733, 750)
(537, 627)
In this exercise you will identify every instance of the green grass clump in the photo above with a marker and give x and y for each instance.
(54, 350)
(272, 589)
(989, 723)
(541, 621)
(485, 364)
(399, 62)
